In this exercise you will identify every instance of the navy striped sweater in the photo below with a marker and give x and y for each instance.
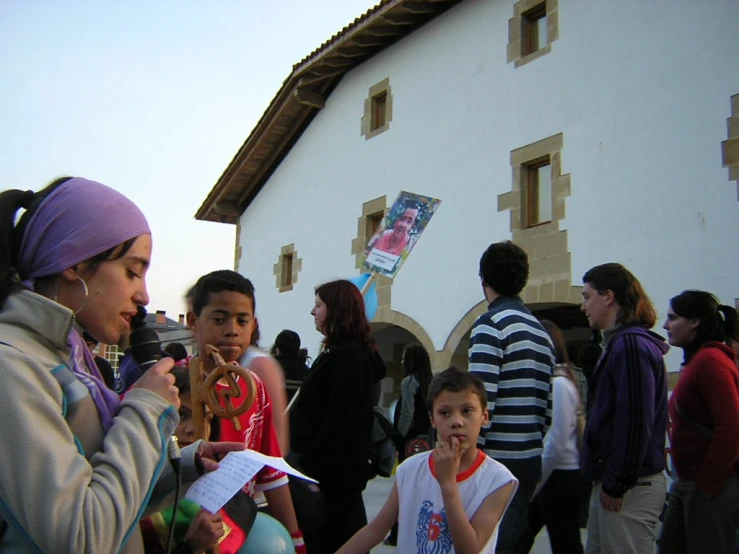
(512, 353)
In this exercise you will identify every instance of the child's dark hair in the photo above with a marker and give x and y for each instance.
(455, 380)
(504, 267)
(288, 344)
(219, 281)
(181, 378)
(182, 382)
(176, 351)
(255, 334)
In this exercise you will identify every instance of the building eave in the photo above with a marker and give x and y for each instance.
(303, 94)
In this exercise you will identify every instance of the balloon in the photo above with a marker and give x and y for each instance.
(267, 536)
(370, 295)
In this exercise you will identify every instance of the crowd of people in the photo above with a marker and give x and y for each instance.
(536, 433)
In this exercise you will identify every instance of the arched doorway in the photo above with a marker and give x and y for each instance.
(568, 317)
(391, 340)
(460, 356)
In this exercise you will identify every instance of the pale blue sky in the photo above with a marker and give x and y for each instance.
(152, 98)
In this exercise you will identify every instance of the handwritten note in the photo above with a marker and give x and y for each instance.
(213, 490)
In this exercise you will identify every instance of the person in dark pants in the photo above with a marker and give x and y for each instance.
(560, 493)
(411, 419)
(331, 419)
(511, 353)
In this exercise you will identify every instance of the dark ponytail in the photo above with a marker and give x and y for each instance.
(11, 235)
(416, 362)
(716, 322)
(10, 202)
(731, 322)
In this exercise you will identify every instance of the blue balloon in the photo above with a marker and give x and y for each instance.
(370, 295)
(267, 536)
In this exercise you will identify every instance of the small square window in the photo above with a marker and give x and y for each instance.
(534, 31)
(287, 268)
(373, 223)
(286, 277)
(379, 111)
(538, 189)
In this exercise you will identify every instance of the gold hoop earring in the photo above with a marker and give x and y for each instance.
(87, 293)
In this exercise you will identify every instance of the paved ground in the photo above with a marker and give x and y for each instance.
(378, 490)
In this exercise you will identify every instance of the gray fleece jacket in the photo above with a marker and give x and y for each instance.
(64, 485)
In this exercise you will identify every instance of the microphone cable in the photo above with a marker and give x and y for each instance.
(173, 453)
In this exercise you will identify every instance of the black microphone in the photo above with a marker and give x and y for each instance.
(145, 347)
(146, 350)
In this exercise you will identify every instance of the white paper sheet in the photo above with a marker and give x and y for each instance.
(213, 490)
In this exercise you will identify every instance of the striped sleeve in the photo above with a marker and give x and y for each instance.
(486, 357)
(512, 354)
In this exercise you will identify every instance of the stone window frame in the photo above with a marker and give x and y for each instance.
(546, 244)
(383, 283)
(730, 147)
(287, 251)
(237, 248)
(516, 46)
(380, 91)
(527, 189)
(370, 209)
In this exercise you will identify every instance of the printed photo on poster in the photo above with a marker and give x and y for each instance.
(398, 233)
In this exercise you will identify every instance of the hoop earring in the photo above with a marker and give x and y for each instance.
(87, 293)
(84, 301)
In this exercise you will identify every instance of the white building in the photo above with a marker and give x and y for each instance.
(586, 131)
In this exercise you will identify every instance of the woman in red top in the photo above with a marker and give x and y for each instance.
(703, 510)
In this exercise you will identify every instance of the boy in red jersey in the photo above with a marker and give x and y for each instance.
(223, 316)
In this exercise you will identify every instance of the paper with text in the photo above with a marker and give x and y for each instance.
(213, 490)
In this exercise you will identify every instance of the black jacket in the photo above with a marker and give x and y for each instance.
(331, 421)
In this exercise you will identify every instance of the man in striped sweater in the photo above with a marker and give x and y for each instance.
(512, 354)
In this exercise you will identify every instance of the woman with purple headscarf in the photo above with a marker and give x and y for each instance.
(78, 467)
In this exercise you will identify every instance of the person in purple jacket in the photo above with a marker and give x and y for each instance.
(129, 370)
(624, 443)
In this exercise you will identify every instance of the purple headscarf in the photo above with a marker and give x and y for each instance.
(77, 221)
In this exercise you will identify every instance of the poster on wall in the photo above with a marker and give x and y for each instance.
(398, 233)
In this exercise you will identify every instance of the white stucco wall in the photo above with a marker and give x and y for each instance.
(640, 91)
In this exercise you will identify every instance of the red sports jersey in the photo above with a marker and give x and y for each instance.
(258, 432)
